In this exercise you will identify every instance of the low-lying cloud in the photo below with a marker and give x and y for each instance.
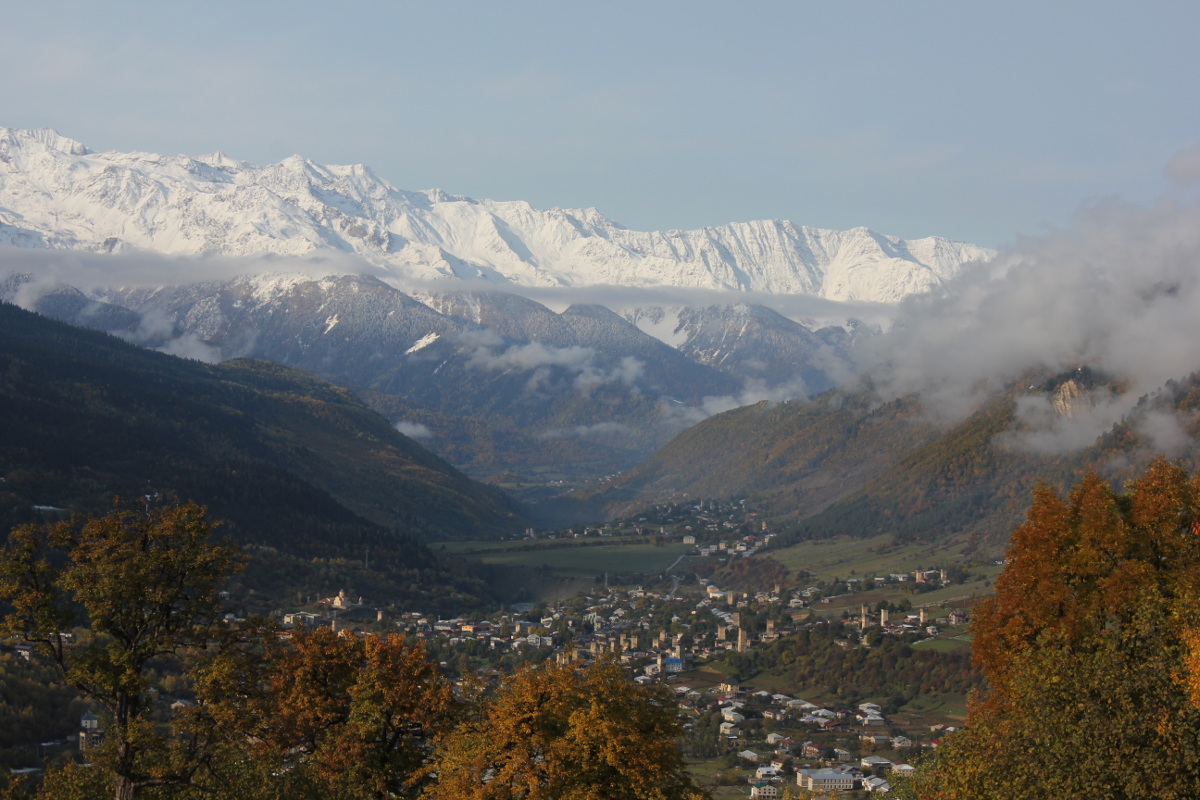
(135, 268)
(600, 430)
(489, 351)
(414, 430)
(754, 391)
(1119, 293)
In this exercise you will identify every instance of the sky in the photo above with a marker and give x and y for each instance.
(981, 122)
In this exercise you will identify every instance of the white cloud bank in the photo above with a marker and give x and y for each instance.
(1119, 293)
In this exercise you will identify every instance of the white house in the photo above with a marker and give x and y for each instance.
(764, 790)
(824, 780)
(876, 785)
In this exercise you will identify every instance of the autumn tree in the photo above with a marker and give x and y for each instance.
(1089, 651)
(136, 585)
(565, 732)
(322, 714)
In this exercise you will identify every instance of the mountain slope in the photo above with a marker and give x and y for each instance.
(754, 343)
(290, 461)
(55, 193)
(497, 383)
(526, 393)
(845, 463)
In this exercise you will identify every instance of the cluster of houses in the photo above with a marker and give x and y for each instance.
(701, 520)
(628, 622)
(911, 623)
(746, 546)
(659, 635)
(864, 775)
(841, 770)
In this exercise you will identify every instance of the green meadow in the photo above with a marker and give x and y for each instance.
(564, 558)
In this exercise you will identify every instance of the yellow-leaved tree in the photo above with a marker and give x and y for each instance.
(137, 585)
(565, 732)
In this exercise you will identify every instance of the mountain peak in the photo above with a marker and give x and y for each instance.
(47, 137)
(69, 197)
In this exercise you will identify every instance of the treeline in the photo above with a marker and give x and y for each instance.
(382, 576)
(744, 574)
(36, 706)
(814, 662)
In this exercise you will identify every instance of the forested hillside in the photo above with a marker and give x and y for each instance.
(295, 467)
(847, 463)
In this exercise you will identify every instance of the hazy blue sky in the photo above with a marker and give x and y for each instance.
(970, 120)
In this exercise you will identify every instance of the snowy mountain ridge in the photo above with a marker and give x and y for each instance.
(56, 193)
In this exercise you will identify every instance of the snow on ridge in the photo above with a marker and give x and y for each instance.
(56, 193)
(422, 343)
(664, 324)
(49, 138)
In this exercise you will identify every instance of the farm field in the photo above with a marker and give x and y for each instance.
(945, 644)
(935, 709)
(850, 557)
(937, 602)
(847, 557)
(710, 773)
(582, 561)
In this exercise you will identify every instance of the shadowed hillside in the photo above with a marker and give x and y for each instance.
(848, 464)
(293, 464)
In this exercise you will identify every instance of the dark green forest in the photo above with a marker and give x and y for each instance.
(312, 482)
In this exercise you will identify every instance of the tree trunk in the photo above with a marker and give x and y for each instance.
(125, 788)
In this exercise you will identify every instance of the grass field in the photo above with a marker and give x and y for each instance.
(848, 557)
(705, 773)
(935, 709)
(945, 645)
(459, 548)
(617, 558)
(961, 595)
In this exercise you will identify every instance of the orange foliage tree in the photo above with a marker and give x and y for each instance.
(1091, 650)
(323, 715)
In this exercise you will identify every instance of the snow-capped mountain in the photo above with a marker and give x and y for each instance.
(56, 193)
(494, 382)
(754, 343)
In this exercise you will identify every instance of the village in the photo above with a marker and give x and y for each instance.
(747, 740)
(758, 737)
